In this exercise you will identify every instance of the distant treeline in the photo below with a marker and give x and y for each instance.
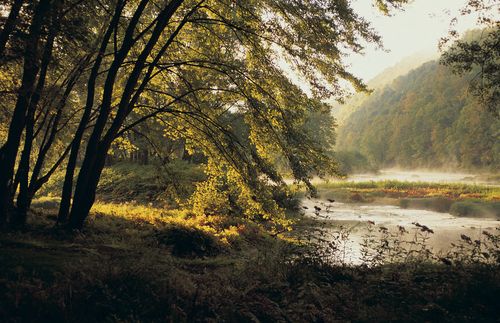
(426, 118)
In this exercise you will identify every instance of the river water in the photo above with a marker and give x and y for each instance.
(356, 218)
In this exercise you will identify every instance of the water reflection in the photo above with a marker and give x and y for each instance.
(356, 218)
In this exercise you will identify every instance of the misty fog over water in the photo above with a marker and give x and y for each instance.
(355, 218)
(423, 176)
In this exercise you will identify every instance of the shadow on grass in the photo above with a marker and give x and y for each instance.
(124, 268)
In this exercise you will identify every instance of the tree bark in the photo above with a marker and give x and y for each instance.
(52, 130)
(97, 148)
(9, 150)
(67, 190)
(22, 203)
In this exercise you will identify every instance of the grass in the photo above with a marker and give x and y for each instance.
(140, 263)
(457, 199)
(165, 186)
(142, 258)
(419, 189)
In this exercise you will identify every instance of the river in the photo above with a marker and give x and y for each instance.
(355, 218)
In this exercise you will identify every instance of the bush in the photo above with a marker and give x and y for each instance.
(354, 162)
(476, 209)
(189, 242)
(163, 185)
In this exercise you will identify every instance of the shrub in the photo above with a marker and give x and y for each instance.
(189, 242)
(476, 209)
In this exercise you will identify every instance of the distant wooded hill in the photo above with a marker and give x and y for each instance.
(343, 111)
(425, 118)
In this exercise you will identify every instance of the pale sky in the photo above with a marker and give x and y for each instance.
(417, 29)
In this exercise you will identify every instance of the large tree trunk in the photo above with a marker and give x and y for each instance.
(95, 155)
(9, 150)
(85, 192)
(19, 218)
(75, 147)
(85, 187)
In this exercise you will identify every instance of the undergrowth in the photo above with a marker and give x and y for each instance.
(137, 263)
(161, 185)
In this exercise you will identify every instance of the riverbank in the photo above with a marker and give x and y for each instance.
(459, 199)
(136, 263)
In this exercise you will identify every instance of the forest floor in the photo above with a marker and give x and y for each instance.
(150, 260)
(136, 263)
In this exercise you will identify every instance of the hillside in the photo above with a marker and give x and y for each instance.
(343, 111)
(425, 118)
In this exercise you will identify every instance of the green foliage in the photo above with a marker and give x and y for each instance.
(178, 70)
(387, 6)
(455, 188)
(354, 162)
(224, 193)
(424, 119)
(478, 53)
(168, 185)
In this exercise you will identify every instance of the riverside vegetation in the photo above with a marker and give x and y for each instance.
(458, 199)
(136, 261)
(144, 146)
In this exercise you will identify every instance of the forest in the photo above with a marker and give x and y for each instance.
(424, 119)
(181, 161)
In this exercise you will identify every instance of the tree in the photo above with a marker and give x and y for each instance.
(10, 24)
(478, 52)
(52, 61)
(424, 119)
(187, 64)
(211, 55)
(31, 68)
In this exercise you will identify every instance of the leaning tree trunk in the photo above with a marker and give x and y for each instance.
(49, 136)
(97, 148)
(85, 192)
(9, 150)
(19, 218)
(67, 190)
(86, 186)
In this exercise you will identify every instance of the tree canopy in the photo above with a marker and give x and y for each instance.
(81, 75)
(478, 52)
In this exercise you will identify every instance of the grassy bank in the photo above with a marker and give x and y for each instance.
(136, 263)
(457, 199)
(161, 185)
(142, 258)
